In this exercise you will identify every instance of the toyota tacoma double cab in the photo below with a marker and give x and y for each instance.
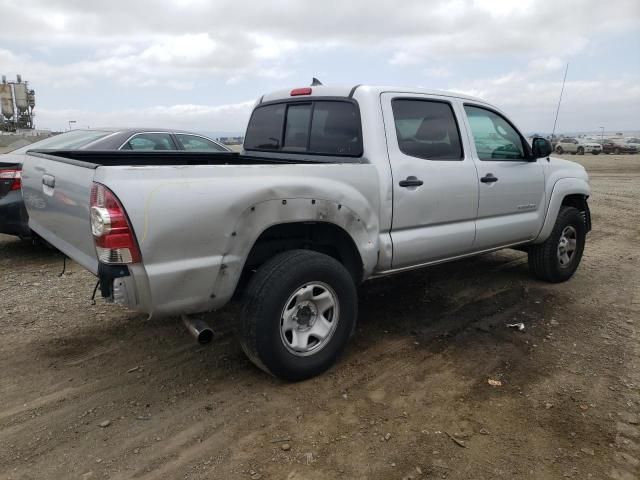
(334, 186)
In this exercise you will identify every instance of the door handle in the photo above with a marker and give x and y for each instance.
(489, 178)
(410, 182)
(49, 180)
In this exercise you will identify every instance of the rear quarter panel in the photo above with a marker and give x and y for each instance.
(195, 225)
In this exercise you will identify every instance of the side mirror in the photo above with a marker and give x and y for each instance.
(541, 147)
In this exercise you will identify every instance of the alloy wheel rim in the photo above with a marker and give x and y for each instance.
(309, 319)
(567, 245)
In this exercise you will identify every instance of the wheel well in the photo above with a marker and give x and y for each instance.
(579, 201)
(322, 237)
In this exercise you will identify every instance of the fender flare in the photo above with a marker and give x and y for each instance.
(268, 213)
(562, 188)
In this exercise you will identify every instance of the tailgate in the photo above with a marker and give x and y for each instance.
(56, 193)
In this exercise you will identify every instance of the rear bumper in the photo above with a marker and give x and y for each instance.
(164, 292)
(14, 219)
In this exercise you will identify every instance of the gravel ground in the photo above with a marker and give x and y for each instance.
(96, 392)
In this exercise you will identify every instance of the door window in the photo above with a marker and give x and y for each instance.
(427, 129)
(150, 141)
(494, 136)
(194, 143)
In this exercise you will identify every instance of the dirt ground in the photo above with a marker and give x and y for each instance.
(96, 392)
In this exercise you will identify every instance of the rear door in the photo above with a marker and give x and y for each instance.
(57, 193)
(512, 196)
(435, 185)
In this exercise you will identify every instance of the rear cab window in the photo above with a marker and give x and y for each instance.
(318, 127)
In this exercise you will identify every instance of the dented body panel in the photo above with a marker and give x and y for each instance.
(193, 257)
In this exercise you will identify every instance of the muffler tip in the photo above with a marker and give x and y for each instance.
(199, 329)
(205, 336)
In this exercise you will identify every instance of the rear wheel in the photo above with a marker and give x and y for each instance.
(580, 150)
(299, 311)
(617, 151)
(557, 259)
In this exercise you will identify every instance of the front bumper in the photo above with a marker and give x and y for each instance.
(14, 219)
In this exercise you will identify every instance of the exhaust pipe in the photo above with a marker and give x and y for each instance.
(199, 329)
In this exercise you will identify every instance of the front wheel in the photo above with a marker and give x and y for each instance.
(299, 311)
(580, 151)
(617, 151)
(559, 150)
(557, 259)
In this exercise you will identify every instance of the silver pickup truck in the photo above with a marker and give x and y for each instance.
(335, 186)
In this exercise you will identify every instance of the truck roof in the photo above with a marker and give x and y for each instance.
(348, 91)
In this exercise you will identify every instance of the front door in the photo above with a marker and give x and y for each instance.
(435, 185)
(512, 186)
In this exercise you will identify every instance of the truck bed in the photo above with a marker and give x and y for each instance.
(194, 214)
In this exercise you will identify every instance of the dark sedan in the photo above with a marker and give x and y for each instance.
(13, 216)
(618, 147)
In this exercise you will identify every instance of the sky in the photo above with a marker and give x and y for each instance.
(201, 64)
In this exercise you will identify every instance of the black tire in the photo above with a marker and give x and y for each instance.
(543, 258)
(580, 150)
(559, 150)
(266, 297)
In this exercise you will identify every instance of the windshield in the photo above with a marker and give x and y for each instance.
(68, 141)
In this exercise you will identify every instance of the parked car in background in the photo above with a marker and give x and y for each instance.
(577, 146)
(617, 147)
(13, 216)
(633, 141)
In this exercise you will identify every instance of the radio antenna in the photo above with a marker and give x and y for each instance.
(559, 101)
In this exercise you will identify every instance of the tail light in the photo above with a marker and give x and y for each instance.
(112, 232)
(14, 176)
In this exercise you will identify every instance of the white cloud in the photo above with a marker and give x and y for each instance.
(438, 72)
(175, 44)
(219, 36)
(547, 64)
(586, 104)
(221, 118)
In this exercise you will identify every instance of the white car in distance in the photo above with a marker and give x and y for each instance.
(577, 146)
